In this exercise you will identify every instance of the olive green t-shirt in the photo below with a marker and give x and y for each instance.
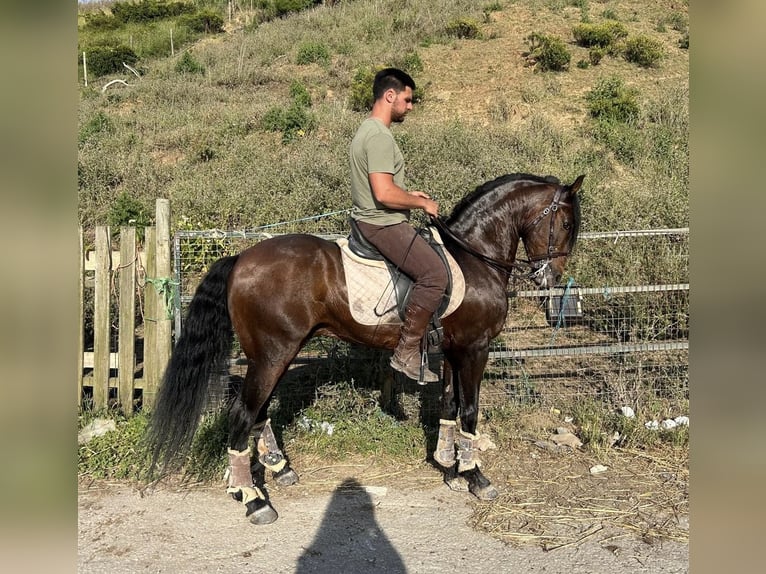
(374, 150)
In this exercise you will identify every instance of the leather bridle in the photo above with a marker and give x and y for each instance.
(537, 263)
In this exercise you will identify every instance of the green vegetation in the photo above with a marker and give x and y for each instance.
(644, 51)
(603, 35)
(464, 28)
(549, 53)
(611, 100)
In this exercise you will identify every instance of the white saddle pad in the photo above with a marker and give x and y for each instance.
(371, 291)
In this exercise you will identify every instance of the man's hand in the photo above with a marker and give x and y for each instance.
(429, 206)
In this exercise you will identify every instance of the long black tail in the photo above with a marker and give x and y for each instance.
(201, 350)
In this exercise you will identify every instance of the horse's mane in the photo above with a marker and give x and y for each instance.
(487, 187)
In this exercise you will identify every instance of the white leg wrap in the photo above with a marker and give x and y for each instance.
(467, 451)
(238, 473)
(269, 453)
(445, 445)
(238, 477)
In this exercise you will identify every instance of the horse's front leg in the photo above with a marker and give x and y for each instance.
(466, 382)
(444, 452)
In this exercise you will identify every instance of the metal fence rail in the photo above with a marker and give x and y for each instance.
(629, 344)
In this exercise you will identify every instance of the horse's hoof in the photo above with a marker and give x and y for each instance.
(260, 512)
(458, 484)
(286, 477)
(485, 492)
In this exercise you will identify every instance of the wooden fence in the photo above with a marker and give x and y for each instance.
(124, 278)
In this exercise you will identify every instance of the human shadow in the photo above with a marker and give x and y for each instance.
(349, 538)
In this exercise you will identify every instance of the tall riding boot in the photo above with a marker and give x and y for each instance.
(408, 357)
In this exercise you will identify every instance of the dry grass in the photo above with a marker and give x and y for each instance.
(553, 500)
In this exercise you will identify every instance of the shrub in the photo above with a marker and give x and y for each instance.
(127, 210)
(293, 122)
(205, 22)
(548, 52)
(104, 59)
(595, 55)
(96, 124)
(644, 51)
(149, 10)
(411, 63)
(611, 100)
(360, 95)
(312, 52)
(603, 35)
(300, 94)
(101, 21)
(188, 65)
(463, 28)
(282, 7)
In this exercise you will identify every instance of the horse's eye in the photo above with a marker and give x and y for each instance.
(567, 225)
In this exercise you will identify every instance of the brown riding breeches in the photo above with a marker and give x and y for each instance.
(406, 249)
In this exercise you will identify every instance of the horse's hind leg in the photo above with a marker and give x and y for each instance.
(270, 456)
(248, 413)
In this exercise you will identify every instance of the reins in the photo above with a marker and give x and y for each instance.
(504, 266)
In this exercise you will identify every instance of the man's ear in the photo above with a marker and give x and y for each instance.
(390, 95)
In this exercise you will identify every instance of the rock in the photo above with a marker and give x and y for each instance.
(97, 427)
(598, 469)
(565, 438)
(627, 412)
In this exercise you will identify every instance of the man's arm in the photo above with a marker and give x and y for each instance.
(394, 197)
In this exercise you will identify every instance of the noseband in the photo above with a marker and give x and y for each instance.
(538, 263)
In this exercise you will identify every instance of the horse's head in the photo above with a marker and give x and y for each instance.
(551, 230)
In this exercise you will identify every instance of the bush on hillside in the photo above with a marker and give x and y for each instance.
(644, 51)
(467, 28)
(149, 10)
(101, 21)
(602, 35)
(360, 94)
(282, 7)
(312, 53)
(611, 100)
(106, 59)
(548, 52)
(204, 22)
(188, 65)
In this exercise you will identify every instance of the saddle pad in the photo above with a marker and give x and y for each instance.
(371, 294)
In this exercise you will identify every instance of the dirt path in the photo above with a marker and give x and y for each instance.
(373, 529)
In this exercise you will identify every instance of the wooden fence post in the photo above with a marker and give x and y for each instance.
(150, 322)
(81, 321)
(127, 319)
(101, 335)
(165, 298)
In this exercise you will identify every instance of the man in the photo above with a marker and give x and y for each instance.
(381, 209)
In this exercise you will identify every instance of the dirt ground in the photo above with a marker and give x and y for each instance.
(363, 517)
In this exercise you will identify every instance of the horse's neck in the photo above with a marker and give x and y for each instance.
(491, 234)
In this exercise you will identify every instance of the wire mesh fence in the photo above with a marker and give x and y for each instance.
(617, 333)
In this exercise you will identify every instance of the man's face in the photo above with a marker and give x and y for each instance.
(402, 105)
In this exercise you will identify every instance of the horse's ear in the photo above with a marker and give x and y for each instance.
(574, 188)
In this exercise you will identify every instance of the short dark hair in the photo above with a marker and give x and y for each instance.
(391, 78)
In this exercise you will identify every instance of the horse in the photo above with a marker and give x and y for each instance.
(281, 292)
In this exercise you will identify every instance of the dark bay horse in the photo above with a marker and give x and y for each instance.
(279, 293)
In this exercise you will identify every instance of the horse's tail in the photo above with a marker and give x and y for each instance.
(200, 351)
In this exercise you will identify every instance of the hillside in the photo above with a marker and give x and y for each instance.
(198, 131)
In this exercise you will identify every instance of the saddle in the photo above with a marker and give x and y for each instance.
(379, 291)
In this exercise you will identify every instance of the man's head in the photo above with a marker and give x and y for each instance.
(394, 87)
